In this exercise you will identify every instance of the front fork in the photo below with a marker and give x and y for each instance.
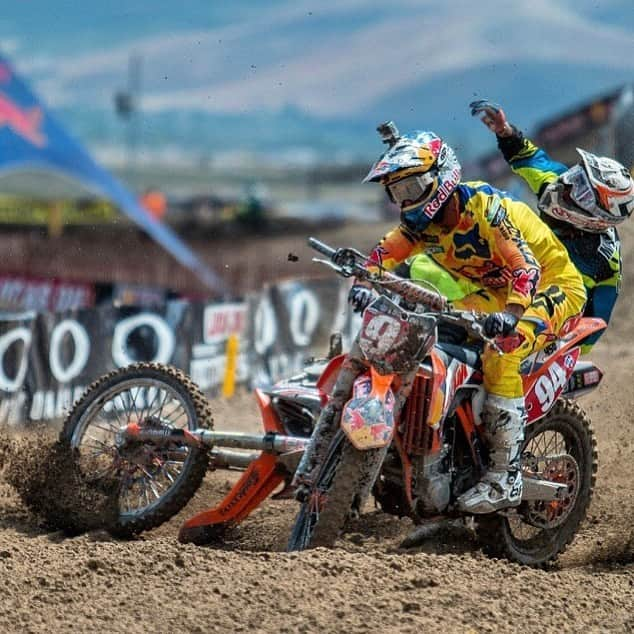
(329, 422)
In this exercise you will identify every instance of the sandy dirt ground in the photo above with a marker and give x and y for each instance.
(93, 582)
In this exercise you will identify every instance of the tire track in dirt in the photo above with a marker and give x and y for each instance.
(367, 584)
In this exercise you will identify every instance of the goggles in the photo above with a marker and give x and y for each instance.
(411, 190)
(581, 192)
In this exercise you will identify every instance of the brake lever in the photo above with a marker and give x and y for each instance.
(343, 271)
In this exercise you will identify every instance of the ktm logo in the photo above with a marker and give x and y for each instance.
(25, 123)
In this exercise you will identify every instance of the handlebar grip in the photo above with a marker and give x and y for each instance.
(324, 249)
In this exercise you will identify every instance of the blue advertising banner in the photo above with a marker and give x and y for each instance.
(31, 138)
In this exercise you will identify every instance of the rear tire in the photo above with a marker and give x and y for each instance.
(177, 403)
(501, 535)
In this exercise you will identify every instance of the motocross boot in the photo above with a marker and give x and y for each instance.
(501, 486)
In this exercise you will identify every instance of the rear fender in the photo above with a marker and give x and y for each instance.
(543, 388)
(368, 417)
(256, 484)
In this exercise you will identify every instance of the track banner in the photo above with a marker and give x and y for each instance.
(48, 359)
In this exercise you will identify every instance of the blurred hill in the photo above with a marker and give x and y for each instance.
(299, 83)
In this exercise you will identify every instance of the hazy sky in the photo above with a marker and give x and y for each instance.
(352, 60)
(328, 57)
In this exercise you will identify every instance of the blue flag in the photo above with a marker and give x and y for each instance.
(31, 138)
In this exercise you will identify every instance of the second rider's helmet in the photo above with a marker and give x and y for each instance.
(592, 196)
(419, 172)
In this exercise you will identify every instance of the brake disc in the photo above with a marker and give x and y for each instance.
(562, 469)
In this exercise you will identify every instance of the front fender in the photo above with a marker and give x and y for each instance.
(368, 417)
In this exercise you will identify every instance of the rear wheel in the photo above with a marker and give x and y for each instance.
(561, 447)
(344, 475)
(154, 482)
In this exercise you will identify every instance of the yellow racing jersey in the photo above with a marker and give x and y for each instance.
(499, 242)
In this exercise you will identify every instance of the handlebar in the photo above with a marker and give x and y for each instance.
(322, 247)
(349, 262)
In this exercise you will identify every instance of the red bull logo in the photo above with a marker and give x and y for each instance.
(435, 145)
(23, 122)
(444, 191)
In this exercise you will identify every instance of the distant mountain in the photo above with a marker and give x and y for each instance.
(295, 81)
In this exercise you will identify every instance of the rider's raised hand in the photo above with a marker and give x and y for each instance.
(500, 324)
(492, 115)
(359, 297)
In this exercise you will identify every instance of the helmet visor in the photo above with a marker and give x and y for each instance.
(411, 190)
(581, 191)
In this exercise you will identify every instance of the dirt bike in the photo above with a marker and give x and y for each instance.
(403, 422)
(149, 427)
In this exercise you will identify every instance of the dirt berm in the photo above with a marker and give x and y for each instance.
(93, 582)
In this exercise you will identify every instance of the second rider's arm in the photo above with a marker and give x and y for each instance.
(526, 159)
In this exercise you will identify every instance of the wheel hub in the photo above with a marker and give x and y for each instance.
(562, 469)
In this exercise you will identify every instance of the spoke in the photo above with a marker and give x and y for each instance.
(95, 448)
(151, 405)
(99, 416)
(100, 474)
(160, 412)
(145, 497)
(179, 410)
(108, 430)
(151, 481)
(133, 395)
(124, 407)
(175, 465)
(156, 494)
(96, 452)
(100, 442)
(159, 484)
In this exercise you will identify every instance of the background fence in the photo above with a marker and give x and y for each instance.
(48, 359)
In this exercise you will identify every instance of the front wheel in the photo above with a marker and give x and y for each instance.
(154, 481)
(344, 475)
(561, 447)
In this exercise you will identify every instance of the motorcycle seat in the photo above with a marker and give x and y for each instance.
(469, 355)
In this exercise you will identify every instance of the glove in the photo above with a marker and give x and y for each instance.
(359, 297)
(500, 324)
(493, 116)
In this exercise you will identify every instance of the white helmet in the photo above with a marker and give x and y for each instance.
(593, 196)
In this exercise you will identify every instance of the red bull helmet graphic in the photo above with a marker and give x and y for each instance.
(419, 172)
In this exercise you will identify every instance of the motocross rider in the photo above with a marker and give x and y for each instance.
(581, 204)
(482, 235)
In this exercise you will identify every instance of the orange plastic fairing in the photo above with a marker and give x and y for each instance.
(255, 485)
